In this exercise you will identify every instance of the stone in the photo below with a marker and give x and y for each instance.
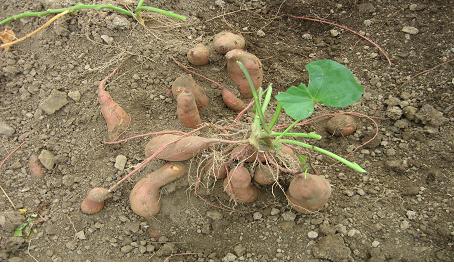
(289, 216)
(107, 39)
(81, 235)
(47, 159)
(214, 215)
(54, 102)
(312, 234)
(367, 22)
(375, 243)
(275, 211)
(257, 216)
(6, 130)
(120, 162)
(261, 33)
(411, 215)
(404, 225)
(394, 112)
(410, 30)
(119, 22)
(74, 95)
(229, 257)
(352, 232)
(334, 33)
(239, 250)
(126, 249)
(333, 248)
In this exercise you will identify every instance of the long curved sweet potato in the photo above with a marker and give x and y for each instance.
(144, 197)
(184, 149)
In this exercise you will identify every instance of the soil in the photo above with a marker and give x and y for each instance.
(401, 210)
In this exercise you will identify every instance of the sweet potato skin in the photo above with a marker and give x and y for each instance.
(232, 101)
(263, 175)
(144, 197)
(188, 84)
(308, 193)
(184, 149)
(226, 41)
(94, 201)
(252, 64)
(35, 167)
(341, 125)
(239, 187)
(187, 111)
(199, 55)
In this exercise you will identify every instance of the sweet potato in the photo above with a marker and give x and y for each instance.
(144, 197)
(35, 167)
(252, 64)
(239, 187)
(226, 41)
(187, 111)
(184, 149)
(199, 55)
(341, 125)
(263, 175)
(187, 83)
(232, 101)
(308, 193)
(117, 119)
(94, 201)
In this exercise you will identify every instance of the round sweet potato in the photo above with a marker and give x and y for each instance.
(239, 187)
(226, 41)
(199, 55)
(94, 201)
(263, 175)
(308, 193)
(341, 125)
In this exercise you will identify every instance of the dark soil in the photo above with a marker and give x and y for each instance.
(401, 210)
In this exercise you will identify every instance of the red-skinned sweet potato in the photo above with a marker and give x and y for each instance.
(341, 125)
(94, 201)
(226, 41)
(199, 55)
(308, 193)
(232, 101)
(252, 64)
(187, 83)
(239, 187)
(144, 197)
(263, 175)
(187, 111)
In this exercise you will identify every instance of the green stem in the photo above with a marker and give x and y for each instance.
(311, 135)
(276, 115)
(267, 99)
(344, 161)
(138, 11)
(288, 129)
(163, 12)
(80, 6)
(257, 103)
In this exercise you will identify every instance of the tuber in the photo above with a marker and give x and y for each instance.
(35, 167)
(226, 41)
(144, 197)
(184, 149)
(263, 175)
(215, 170)
(187, 83)
(252, 64)
(248, 153)
(199, 55)
(239, 187)
(116, 118)
(308, 193)
(232, 101)
(341, 125)
(94, 201)
(187, 111)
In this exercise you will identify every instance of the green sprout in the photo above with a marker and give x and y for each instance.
(136, 14)
(331, 84)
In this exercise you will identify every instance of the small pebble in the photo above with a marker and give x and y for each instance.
(410, 30)
(261, 33)
(257, 216)
(375, 243)
(120, 162)
(404, 225)
(367, 22)
(289, 216)
(81, 235)
(275, 211)
(229, 257)
(74, 95)
(312, 234)
(411, 215)
(334, 33)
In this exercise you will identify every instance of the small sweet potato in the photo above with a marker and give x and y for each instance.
(232, 101)
(308, 193)
(184, 149)
(187, 83)
(263, 175)
(252, 64)
(117, 119)
(35, 167)
(199, 55)
(144, 197)
(239, 187)
(94, 201)
(226, 41)
(187, 111)
(341, 125)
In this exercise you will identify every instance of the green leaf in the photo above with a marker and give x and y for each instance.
(297, 102)
(330, 84)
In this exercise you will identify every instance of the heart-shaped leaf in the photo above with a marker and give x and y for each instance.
(330, 83)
